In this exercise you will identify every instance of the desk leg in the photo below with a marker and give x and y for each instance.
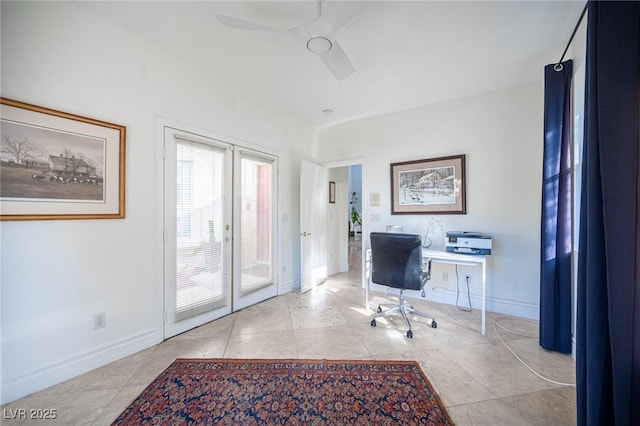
(484, 296)
(367, 278)
(366, 296)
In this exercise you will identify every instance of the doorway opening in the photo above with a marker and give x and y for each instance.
(345, 221)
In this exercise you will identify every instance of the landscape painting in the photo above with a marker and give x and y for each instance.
(55, 165)
(43, 164)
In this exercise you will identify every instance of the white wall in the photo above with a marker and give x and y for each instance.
(501, 135)
(55, 275)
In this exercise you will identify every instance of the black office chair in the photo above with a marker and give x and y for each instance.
(396, 261)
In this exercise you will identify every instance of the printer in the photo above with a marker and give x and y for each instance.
(468, 242)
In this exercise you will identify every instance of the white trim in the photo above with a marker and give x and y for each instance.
(496, 305)
(343, 163)
(288, 287)
(17, 387)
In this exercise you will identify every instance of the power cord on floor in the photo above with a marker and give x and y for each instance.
(469, 309)
(495, 324)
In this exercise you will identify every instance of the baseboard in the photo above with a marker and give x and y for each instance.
(335, 269)
(497, 305)
(288, 287)
(35, 381)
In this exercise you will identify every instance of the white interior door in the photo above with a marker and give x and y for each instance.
(254, 236)
(197, 230)
(314, 189)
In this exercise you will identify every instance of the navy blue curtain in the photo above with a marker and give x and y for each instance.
(608, 299)
(556, 238)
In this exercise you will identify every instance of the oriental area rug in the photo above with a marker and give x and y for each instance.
(287, 392)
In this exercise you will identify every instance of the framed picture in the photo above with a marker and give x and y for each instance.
(429, 186)
(332, 192)
(56, 165)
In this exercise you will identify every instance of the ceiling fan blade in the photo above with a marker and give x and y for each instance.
(338, 62)
(241, 24)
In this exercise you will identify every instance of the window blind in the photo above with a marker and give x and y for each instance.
(199, 215)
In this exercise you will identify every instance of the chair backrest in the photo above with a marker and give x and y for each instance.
(396, 260)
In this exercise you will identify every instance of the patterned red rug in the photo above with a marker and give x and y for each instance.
(290, 391)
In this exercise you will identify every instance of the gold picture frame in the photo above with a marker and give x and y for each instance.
(57, 165)
(429, 186)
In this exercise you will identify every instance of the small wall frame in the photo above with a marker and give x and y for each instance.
(332, 192)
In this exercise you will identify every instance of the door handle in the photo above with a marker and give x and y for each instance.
(305, 234)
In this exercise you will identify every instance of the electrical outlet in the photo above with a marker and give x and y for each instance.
(445, 276)
(99, 320)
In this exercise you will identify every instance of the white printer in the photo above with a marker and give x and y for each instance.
(468, 242)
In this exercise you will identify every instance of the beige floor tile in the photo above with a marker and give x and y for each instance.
(75, 408)
(454, 385)
(119, 403)
(552, 365)
(552, 407)
(316, 297)
(477, 378)
(257, 320)
(167, 352)
(318, 316)
(496, 368)
(111, 376)
(486, 413)
(274, 344)
(219, 328)
(329, 343)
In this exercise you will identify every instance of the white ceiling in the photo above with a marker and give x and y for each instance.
(406, 54)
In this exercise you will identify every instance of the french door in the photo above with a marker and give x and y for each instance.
(219, 230)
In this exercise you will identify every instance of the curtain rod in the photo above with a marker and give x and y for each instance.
(558, 67)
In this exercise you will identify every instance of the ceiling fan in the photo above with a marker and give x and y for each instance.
(319, 33)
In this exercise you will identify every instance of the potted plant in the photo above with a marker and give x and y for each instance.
(356, 219)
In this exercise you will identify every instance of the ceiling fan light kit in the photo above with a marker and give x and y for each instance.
(319, 45)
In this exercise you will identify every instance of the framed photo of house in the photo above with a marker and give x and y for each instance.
(56, 165)
(332, 192)
(429, 186)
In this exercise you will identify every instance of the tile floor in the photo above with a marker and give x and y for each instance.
(478, 379)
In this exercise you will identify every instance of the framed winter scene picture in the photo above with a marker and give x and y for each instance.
(429, 186)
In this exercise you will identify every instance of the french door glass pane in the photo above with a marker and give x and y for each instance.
(256, 257)
(199, 203)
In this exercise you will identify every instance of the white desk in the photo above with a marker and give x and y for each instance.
(463, 259)
(444, 257)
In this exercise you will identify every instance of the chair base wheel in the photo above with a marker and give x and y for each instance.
(379, 310)
(410, 334)
(434, 324)
(373, 323)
